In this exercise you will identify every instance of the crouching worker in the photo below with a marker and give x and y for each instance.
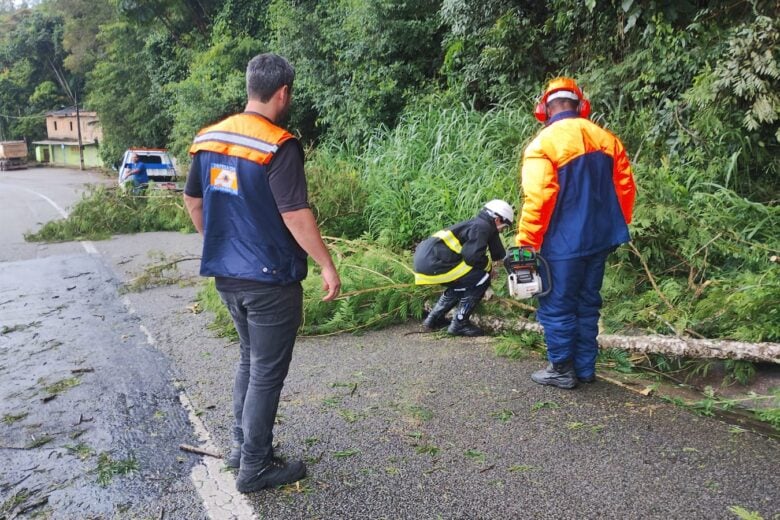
(456, 257)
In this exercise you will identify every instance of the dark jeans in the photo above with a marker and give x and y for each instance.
(570, 313)
(267, 319)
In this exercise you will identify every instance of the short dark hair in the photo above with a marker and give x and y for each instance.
(563, 104)
(267, 73)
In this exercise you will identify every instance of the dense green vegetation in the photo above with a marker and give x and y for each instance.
(417, 112)
(105, 211)
(377, 290)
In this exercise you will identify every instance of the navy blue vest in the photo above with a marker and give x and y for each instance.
(244, 234)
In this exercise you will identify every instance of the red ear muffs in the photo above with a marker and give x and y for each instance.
(540, 112)
(558, 84)
(584, 108)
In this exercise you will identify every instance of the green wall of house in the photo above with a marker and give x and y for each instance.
(67, 155)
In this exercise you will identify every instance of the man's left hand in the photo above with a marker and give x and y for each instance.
(331, 283)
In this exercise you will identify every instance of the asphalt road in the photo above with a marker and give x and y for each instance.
(91, 418)
(393, 424)
(32, 197)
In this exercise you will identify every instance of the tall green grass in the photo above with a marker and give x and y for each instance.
(707, 249)
(337, 192)
(440, 165)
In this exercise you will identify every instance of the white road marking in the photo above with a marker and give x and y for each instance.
(216, 487)
(128, 305)
(88, 246)
(149, 337)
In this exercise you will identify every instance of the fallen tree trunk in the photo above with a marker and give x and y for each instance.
(657, 344)
(694, 347)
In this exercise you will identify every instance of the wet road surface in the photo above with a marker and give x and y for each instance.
(29, 199)
(91, 417)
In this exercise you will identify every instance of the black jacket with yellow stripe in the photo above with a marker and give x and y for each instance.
(451, 253)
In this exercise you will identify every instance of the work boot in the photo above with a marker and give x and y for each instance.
(587, 379)
(460, 324)
(435, 319)
(464, 327)
(233, 460)
(276, 473)
(557, 374)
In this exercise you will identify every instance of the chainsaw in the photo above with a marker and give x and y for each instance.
(522, 266)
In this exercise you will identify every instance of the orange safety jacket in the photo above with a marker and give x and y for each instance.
(578, 190)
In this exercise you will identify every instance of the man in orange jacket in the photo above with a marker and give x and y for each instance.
(578, 197)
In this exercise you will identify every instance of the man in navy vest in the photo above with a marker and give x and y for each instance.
(246, 193)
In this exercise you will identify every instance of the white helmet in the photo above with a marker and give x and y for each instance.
(501, 209)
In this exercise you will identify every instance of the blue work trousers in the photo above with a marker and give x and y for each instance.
(267, 321)
(570, 312)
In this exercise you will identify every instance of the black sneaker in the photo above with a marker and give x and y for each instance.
(277, 473)
(432, 322)
(464, 328)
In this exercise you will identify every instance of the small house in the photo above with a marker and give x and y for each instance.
(62, 146)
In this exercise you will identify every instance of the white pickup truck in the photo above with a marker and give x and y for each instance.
(159, 166)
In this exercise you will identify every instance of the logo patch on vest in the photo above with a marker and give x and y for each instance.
(224, 178)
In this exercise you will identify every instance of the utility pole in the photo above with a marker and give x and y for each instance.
(78, 128)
